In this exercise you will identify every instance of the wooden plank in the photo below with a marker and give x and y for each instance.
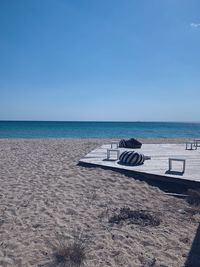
(157, 165)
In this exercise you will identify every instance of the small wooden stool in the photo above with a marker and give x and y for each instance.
(191, 145)
(109, 151)
(114, 144)
(197, 143)
(176, 159)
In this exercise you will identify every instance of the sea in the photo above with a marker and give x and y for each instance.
(85, 129)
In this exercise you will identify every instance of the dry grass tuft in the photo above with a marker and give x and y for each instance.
(140, 217)
(70, 254)
(193, 197)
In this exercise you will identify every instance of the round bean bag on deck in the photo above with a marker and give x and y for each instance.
(131, 158)
(130, 143)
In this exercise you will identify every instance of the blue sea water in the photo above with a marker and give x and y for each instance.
(47, 129)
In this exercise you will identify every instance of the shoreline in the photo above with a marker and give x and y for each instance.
(143, 140)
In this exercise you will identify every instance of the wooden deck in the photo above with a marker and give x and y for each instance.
(157, 165)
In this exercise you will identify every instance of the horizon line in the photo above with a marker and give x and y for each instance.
(101, 121)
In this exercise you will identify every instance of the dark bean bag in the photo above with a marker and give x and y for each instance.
(131, 158)
(130, 143)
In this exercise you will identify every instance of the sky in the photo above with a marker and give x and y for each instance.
(100, 60)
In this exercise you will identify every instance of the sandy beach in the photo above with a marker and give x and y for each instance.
(46, 196)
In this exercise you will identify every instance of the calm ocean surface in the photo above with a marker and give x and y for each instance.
(38, 129)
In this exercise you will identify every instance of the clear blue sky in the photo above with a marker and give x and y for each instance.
(100, 60)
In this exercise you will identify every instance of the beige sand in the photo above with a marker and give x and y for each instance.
(44, 194)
